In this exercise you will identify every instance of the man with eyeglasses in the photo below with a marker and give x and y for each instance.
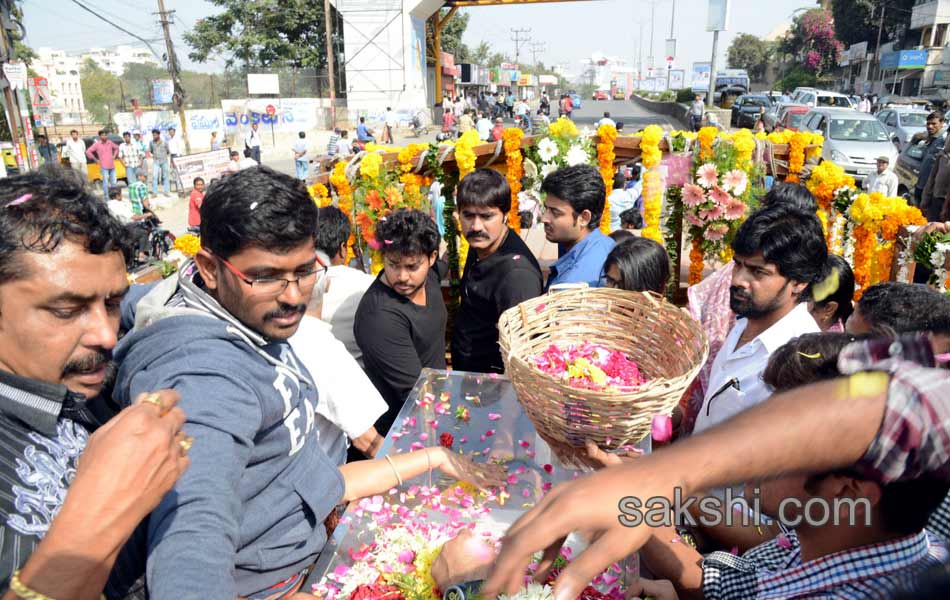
(242, 522)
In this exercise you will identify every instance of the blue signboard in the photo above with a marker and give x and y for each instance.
(162, 91)
(904, 59)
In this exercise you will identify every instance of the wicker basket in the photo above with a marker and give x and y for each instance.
(668, 345)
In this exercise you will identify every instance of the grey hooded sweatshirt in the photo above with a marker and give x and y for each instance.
(248, 513)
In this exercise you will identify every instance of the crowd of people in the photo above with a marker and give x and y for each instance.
(196, 437)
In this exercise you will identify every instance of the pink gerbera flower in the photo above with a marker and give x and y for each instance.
(711, 214)
(693, 195)
(716, 232)
(735, 181)
(693, 220)
(707, 176)
(735, 209)
(720, 196)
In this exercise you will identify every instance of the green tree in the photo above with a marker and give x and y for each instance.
(479, 55)
(750, 53)
(858, 20)
(495, 59)
(137, 80)
(261, 34)
(811, 40)
(100, 91)
(452, 33)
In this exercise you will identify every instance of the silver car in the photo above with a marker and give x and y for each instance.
(853, 140)
(902, 123)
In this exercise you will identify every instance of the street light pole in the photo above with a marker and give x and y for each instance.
(652, 30)
(669, 66)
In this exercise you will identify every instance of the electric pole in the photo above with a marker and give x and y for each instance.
(669, 66)
(652, 30)
(536, 49)
(520, 38)
(178, 98)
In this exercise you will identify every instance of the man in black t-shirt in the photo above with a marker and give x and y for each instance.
(500, 271)
(400, 322)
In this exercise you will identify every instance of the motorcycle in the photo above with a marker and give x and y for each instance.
(420, 124)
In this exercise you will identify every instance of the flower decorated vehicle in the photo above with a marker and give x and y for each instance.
(384, 546)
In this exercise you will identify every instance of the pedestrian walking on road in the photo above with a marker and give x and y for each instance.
(103, 153)
(696, 111)
(252, 142)
(300, 156)
(75, 152)
(388, 126)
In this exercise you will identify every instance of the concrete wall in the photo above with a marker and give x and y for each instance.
(670, 109)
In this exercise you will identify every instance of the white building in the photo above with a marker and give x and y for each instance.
(62, 74)
(115, 59)
(603, 70)
(385, 55)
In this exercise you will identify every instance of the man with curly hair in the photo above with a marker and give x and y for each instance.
(400, 322)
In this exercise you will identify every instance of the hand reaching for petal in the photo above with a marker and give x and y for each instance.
(465, 469)
(608, 459)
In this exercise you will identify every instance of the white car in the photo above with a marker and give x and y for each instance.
(819, 98)
(853, 140)
(902, 123)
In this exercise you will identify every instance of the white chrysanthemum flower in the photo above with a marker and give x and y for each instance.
(534, 591)
(577, 156)
(547, 150)
(548, 169)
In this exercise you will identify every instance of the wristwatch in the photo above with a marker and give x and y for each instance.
(463, 591)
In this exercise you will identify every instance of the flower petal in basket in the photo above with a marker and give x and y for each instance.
(666, 343)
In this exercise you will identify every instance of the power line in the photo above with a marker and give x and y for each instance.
(536, 49)
(520, 40)
(119, 27)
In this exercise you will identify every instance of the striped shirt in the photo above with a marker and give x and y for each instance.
(43, 430)
(138, 192)
(775, 570)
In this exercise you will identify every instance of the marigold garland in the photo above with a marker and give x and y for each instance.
(465, 159)
(370, 164)
(707, 135)
(696, 262)
(652, 182)
(863, 250)
(344, 200)
(513, 158)
(605, 162)
(796, 156)
(744, 143)
(320, 195)
(188, 244)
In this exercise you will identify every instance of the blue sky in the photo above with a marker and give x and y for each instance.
(571, 31)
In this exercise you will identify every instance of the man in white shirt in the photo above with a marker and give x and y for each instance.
(252, 141)
(247, 162)
(349, 403)
(606, 120)
(884, 180)
(175, 148)
(864, 105)
(780, 252)
(389, 127)
(347, 284)
(483, 125)
(75, 152)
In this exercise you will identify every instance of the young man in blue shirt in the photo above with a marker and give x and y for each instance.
(573, 205)
(364, 133)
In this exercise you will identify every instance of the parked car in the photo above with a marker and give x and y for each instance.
(785, 116)
(893, 101)
(746, 109)
(95, 175)
(908, 170)
(853, 140)
(601, 95)
(819, 98)
(620, 95)
(902, 123)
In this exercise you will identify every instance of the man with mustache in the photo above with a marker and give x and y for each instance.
(780, 252)
(400, 322)
(75, 477)
(500, 271)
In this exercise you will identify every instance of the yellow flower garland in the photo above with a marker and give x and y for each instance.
(344, 196)
(465, 159)
(605, 161)
(696, 262)
(744, 144)
(320, 195)
(188, 244)
(512, 142)
(707, 135)
(796, 156)
(563, 128)
(370, 164)
(652, 184)
(876, 216)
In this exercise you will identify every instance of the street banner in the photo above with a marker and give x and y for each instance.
(207, 165)
(677, 79)
(700, 77)
(163, 90)
(718, 17)
(15, 74)
(263, 83)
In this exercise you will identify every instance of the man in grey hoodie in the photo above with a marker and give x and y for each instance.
(246, 519)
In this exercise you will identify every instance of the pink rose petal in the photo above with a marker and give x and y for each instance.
(493, 416)
(548, 468)
(524, 444)
(490, 432)
(416, 446)
(513, 479)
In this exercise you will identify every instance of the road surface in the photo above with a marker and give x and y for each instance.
(633, 117)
